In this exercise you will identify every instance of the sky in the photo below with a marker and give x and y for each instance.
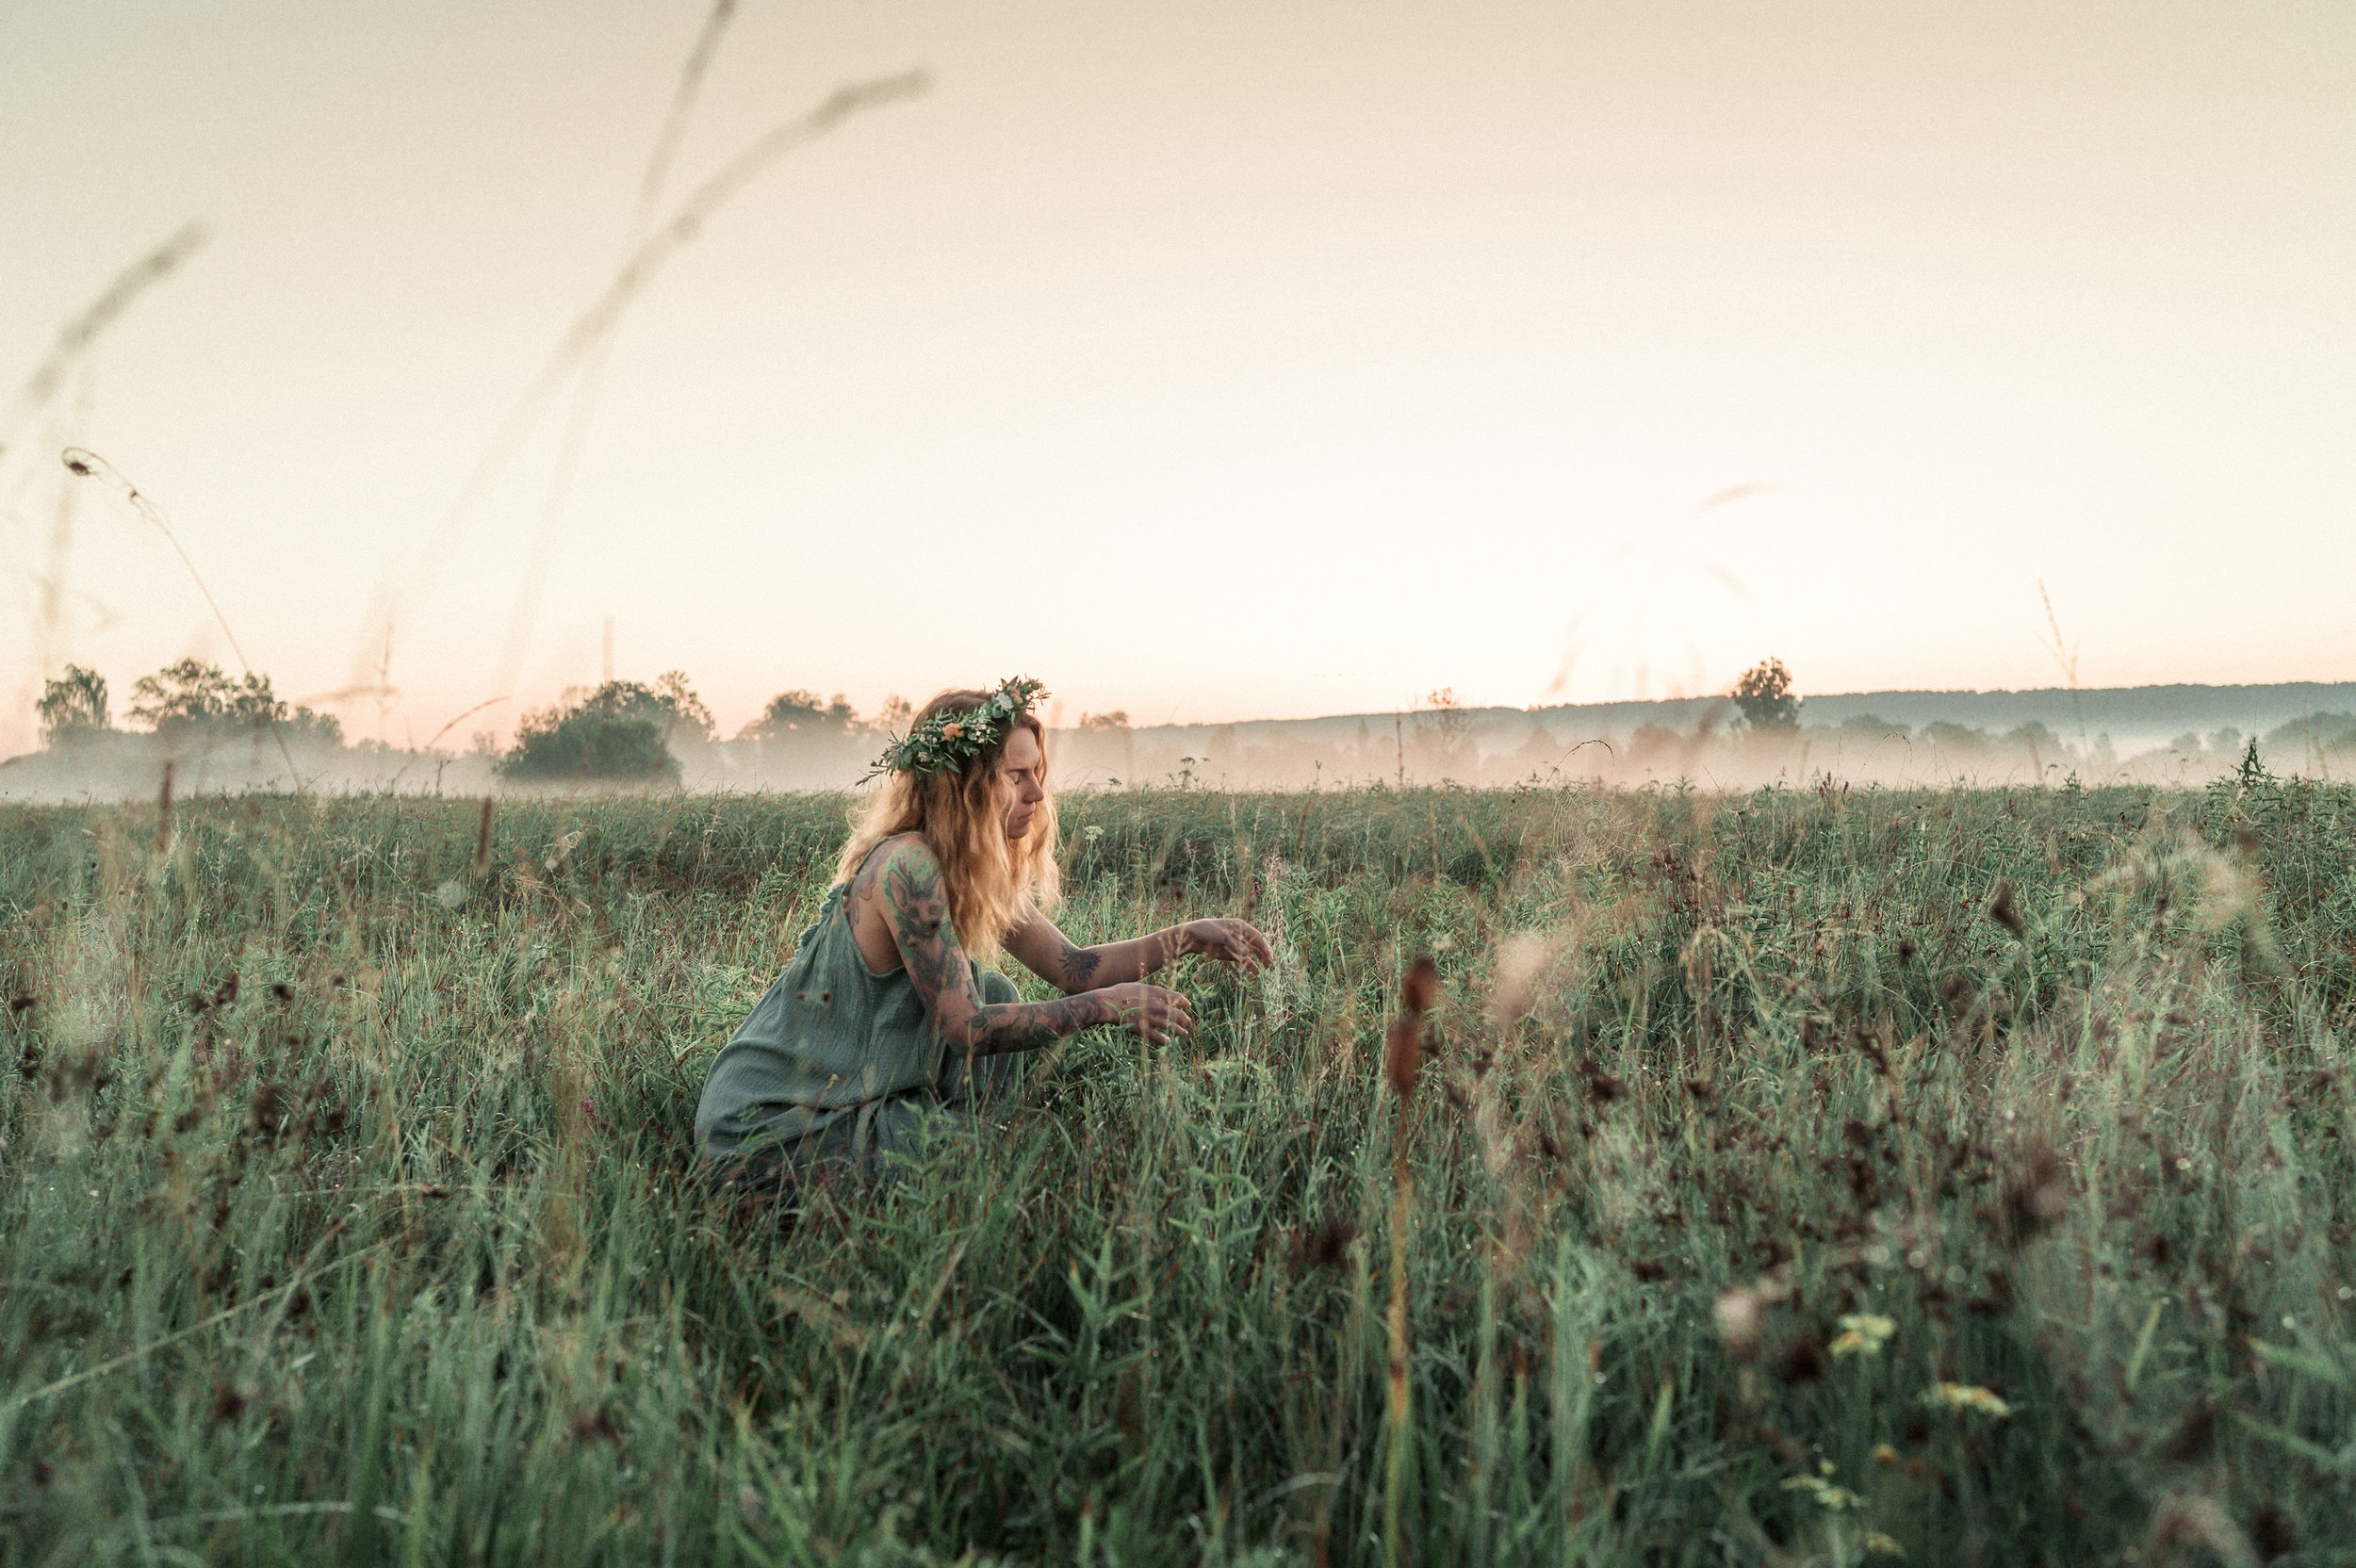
(1207, 361)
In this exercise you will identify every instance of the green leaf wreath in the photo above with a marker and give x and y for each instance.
(948, 741)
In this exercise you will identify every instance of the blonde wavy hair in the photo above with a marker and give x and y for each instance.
(993, 882)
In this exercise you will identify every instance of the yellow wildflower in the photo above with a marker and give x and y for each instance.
(1881, 1546)
(1863, 1335)
(1827, 1495)
(1968, 1396)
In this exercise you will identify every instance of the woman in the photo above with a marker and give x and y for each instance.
(885, 1016)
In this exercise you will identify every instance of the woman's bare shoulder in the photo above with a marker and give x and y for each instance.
(908, 850)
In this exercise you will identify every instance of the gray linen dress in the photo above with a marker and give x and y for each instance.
(839, 1063)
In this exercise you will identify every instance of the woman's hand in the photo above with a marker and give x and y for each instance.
(1156, 1013)
(1230, 940)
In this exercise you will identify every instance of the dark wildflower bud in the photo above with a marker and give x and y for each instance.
(2000, 909)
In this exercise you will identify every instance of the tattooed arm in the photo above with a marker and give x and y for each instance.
(915, 905)
(1047, 952)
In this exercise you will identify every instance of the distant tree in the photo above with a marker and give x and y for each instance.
(801, 715)
(190, 693)
(556, 745)
(1944, 735)
(621, 730)
(72, 706)
(2316, 733)
(2034, 736)
(1765, 694)
(2045, 748)
(1657, 745)
(687, 710)
(193, 697)
(1107, 742)
(670, 705)
(1869, 726)
(1541, 751)
(1443, 733)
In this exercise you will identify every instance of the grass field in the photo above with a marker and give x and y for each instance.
(1809, 1177)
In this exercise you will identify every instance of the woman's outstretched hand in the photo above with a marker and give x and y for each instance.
(1159, 1014)
(1228, 941)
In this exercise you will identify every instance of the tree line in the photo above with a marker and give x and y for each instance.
(185, 698)
(617, 730)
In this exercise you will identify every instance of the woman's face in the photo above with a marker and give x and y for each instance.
(1020, 786)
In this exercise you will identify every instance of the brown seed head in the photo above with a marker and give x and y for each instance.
(1602, 1088)
(1403, 1054)
(1421, 990)
(597, 1425)
(1402, 1046)
(2035, 1194)
(1323, 1245)
(2272, 1532)
(231, 1400)
(270, 1109)
(2192, 1437)
(1803, 1360)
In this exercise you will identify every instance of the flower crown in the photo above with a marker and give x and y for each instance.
(947, 741)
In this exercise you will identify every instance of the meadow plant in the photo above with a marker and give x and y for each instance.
(1806, 1176)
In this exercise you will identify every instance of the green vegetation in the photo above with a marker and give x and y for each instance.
(622, 730)
(1765, 698)
(1792, 1177)
(191, 697)
(73, 705)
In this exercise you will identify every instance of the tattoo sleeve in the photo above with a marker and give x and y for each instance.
(937, 966)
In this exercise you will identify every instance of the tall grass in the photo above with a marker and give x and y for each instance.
(346, 1210)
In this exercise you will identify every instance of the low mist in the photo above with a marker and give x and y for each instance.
(219, 735)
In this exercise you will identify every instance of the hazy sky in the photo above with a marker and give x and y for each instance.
(1204, 359)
